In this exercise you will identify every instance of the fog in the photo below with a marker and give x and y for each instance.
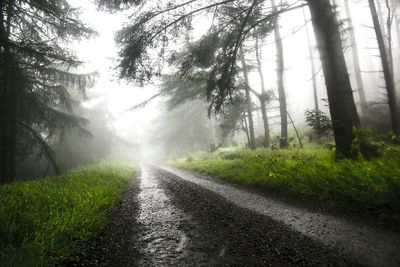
(160, 130)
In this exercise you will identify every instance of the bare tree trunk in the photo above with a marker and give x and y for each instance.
(386, 69)
(395, 6)
(389, 22)
(356, 60)
(296, 131)
(214, 145)
(248, 99)
(340, 95)
(267, 138)
(312, 65)
(263, 96)
(380, 15)
(246, 129)
(281, 87)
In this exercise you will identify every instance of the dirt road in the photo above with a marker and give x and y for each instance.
(171, 217)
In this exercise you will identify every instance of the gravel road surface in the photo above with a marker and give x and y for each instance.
(171, 217)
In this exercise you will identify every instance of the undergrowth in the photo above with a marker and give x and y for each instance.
(44, 221)
(364, 185)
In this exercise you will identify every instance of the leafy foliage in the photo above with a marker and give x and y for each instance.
(318, 121)
(231, 119)
(145, 42)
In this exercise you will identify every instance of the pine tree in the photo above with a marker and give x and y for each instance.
(34, 75)
(155, 27)
(340, 95)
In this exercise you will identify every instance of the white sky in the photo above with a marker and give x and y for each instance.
(99, 53)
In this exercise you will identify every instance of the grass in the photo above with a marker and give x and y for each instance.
(44, 221)
(371, 186)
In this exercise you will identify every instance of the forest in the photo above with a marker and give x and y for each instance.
(133, 131)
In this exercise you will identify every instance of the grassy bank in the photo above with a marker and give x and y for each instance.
(44, 221)
(371, 186)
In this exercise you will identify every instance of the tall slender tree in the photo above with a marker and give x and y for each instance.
(249, 107)
(340, 95)
(356, 60)
(312, 63)
(395, 8)
(280, 69)
(388, 76)
(263, 97)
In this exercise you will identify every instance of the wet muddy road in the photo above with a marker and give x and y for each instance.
(176, 218)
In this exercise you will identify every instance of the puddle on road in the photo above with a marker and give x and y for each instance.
(161, 242)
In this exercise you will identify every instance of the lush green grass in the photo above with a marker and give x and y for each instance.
(372, 185)
(42, 222)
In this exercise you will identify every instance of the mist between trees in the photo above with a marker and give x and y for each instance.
(221, 70)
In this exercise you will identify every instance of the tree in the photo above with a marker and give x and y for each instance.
(233, 21)
(312, 62)
(34, 77)
(395, 8)
(318, 121)
(340, 95)
(233, 118)
(280, 64)
(356, 61)
(388, 76)
(248, 100)
(264, 96)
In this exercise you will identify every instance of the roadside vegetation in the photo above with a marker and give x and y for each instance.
(370, 186)
(44, 221)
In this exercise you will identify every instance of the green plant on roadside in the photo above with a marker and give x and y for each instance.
(365, 185)
(44, 221)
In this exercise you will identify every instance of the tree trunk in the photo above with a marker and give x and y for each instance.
(389, 23)
(248, 99)
(378, 7)
(296, 131)
(213, 145)
(265, 122)
(281, 87)
(263, 96)
(7, 108)
(312, 65)
(13, 121)
(395, 6)
(246, 129)
(340, 95)
(12, 80)
(390, 88)
(356, 60)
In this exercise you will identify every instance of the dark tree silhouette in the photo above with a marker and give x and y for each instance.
(34, 78)
(340, 95)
